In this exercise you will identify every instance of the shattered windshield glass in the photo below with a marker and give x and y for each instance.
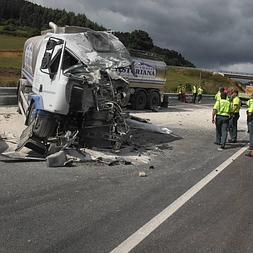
(100, 41)
(99, 50)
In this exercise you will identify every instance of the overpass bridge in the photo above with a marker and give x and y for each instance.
(237, 75)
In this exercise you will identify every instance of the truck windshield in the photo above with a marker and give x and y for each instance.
(68, 60)
(100, 42)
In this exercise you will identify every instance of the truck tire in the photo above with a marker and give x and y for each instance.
(154, 100)
(139, 100)
(45, 127)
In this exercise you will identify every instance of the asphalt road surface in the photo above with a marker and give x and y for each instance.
(94, 208)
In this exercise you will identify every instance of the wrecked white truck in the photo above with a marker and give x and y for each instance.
(70, 90)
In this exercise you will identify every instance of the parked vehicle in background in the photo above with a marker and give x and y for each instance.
(146, 81)
(245, 96)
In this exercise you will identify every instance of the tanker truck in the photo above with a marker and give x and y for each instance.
(146, 81)
(70, 89)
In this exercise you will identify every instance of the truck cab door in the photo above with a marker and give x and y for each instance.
(47, 82)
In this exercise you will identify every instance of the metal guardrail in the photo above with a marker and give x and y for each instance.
(175, 95)
(8, 96)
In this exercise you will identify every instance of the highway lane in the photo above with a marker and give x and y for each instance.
(217, 219)
(92, 207)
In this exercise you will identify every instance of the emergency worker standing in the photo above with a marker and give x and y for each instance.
(236, 106)
(250, 120)
(179, 92)
(200, 92)
(220, 116)
(194, 93)
(183, 91)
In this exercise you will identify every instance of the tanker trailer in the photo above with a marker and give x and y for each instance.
(147, 80)
(69, 86)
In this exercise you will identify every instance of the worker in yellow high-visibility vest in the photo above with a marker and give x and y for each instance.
(194, 93)
(236, 106)
(183, 90)
(220, 116)
(179, 92)
(250, 120)
(200, 93)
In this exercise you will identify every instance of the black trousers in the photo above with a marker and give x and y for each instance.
(194, 96)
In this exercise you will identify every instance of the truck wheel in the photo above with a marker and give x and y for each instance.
(153, 100)
(44, 127)
(140, 100)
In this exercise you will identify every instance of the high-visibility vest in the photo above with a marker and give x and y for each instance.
(223, 107)
(194, 89)
(200, 91)
(236, 101)
(217, 96)
(250, 105)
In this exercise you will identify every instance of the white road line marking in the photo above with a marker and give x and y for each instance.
(155, 222)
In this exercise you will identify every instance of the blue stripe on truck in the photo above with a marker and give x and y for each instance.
(37, 99)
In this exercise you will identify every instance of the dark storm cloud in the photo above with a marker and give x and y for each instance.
(209, 33)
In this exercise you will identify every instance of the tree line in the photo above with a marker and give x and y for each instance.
(22, 18)
(138, 41)
(26, 14)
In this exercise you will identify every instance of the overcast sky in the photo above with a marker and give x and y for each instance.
(210, 33)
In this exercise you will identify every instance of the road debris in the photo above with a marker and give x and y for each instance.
(15, 157)
(58, 159)
(140, 148)
(142, 174)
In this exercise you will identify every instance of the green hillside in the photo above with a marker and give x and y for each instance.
(210, 82)
(11, 57)
(11, 43)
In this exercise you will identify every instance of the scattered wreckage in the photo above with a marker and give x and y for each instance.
(71, 91)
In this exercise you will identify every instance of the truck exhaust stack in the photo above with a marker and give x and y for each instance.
(53, 26)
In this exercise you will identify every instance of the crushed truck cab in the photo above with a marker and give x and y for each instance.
(70, 86)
